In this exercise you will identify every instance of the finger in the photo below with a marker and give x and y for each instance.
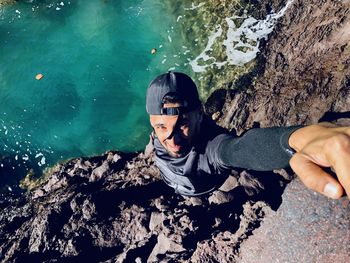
(339, 156)
(314, 177)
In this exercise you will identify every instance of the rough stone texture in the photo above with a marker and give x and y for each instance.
(307, 227)
(307, 71)
(114, 208)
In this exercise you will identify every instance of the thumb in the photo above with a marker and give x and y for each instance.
(314, 177)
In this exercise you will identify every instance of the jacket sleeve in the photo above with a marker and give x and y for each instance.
(262, 149)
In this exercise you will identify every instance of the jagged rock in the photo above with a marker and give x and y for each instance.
(223, 247)
(99, 172)
(115, 208)
(156, 221)
(220, 197)
(306, 71)
(120, 217)
(230, 183)
(164, 245)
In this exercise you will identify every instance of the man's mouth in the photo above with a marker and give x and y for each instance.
(175, 148)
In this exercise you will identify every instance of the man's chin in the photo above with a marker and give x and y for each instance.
(180, 153)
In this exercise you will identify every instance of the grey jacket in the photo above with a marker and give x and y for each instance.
(209, 162)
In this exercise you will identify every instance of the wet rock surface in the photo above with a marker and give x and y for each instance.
(115, 208)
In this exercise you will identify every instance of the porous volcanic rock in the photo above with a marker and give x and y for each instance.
(307, 227)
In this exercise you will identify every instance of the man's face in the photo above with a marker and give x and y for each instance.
(177, 133)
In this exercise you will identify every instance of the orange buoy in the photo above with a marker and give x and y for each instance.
(39, 76)
(154, 51)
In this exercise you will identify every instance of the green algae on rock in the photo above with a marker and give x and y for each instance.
(226, 37)
(6, 2)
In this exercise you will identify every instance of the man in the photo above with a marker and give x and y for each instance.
(194, 157)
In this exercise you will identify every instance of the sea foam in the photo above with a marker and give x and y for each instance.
(241, 43)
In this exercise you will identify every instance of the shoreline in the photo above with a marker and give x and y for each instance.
(234, 38)
(231, 77)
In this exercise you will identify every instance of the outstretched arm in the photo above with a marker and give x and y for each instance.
(263, 149)
(322, 145)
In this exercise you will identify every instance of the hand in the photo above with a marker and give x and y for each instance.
(322, 145)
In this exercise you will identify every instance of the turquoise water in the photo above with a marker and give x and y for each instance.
(96, 61)
(95, 58)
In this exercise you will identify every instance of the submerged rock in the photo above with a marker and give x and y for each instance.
(115, 208)
(6, 2)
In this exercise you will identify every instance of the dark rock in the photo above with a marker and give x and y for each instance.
(306, 72)
(126, 214)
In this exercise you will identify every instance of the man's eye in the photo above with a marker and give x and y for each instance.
(160, 128)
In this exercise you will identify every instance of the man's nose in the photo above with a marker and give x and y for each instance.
(175, 136)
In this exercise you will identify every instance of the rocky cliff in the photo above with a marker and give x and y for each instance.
(115, 208)
(306, 72)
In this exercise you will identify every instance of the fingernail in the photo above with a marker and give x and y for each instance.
(331, 190)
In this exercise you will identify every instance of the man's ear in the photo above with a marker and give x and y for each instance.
(200, 115)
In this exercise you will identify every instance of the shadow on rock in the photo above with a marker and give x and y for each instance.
(116, 208)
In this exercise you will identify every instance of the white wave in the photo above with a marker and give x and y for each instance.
(193, 6)
(253, 31)
(196, 67)
(241, 43)
(42, 161)
(38, 155)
